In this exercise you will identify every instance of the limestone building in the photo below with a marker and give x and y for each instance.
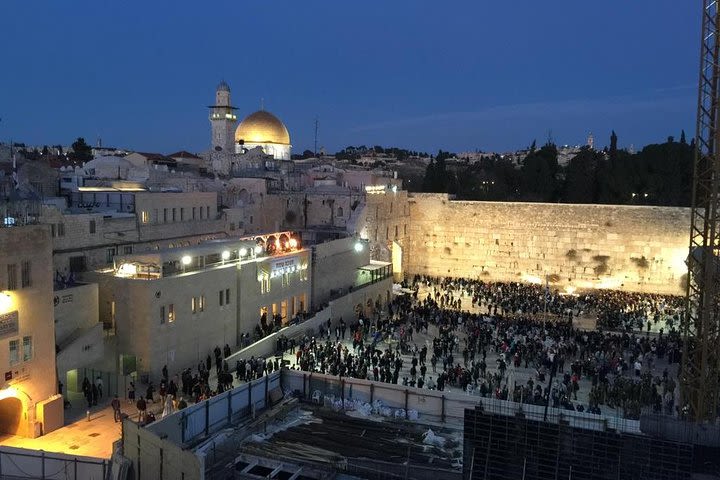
(173, 306)
(29, 405)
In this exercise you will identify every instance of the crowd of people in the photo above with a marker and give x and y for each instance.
(516, 330)
(506, 340)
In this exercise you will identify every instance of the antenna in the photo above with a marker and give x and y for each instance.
(316, 133)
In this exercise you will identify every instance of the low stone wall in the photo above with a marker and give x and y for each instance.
(634, 248)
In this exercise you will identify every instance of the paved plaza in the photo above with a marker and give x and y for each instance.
(94, 435)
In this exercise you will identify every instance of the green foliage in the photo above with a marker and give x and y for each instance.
(539, 175)
(81, 151)
(660, 174)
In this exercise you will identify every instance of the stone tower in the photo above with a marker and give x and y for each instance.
(222, 121)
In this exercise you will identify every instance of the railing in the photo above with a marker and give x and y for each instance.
(17, 463)
(209, 416)
(443, 405)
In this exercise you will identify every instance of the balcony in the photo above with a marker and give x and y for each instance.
(375, 272)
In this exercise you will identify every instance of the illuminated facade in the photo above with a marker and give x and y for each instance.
(29, 405)
(222, 120)
(263, 129)
(173, 307)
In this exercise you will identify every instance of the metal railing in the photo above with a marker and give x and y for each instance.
(21, 464)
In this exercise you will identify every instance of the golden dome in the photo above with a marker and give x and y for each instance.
(262, 127)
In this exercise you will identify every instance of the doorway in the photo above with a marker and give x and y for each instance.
(10, 415)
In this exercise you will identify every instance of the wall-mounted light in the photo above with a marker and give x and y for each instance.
(5, 302)
(186, 260)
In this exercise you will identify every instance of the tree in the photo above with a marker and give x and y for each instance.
(538, 175)
(81, 151)
(581, 177)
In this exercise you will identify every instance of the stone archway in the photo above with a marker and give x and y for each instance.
(10, 415)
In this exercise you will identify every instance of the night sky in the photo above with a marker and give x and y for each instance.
(424, 75)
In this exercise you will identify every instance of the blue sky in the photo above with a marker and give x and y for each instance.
(425, 75)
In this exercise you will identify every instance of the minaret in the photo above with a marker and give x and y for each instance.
(222, 120)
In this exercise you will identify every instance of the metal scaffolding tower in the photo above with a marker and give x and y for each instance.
(700, 375)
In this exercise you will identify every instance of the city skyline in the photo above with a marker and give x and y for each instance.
(413, 75)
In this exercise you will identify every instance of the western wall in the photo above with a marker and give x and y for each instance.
(633, 248)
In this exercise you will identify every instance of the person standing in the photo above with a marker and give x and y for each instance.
(117, 414)
(142, 407)
(99, 385)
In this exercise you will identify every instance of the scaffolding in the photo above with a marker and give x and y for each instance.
(513, 447)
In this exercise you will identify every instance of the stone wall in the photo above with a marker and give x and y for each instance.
(634, 248)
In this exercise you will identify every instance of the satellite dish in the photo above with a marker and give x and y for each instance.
(218, 148)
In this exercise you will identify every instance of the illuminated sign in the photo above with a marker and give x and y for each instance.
(375, 188)
(9, 324)
(285, 265)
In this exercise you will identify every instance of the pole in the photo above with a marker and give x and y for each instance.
(553, 368)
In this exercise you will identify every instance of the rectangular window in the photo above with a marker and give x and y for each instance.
(127, 249)
(93, 226)
(25, 277)
(14, 352)
(221, 297)
(162, 314)
(12, 277)
(145, 217)
(227, 296)
(27, 349)
(171, 313)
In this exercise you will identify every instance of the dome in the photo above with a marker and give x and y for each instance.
(262, 127)
(223, 87)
